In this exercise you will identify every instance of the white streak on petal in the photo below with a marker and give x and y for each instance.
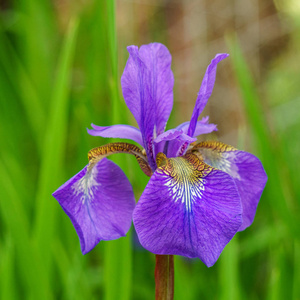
(182, 184)
(86, 186)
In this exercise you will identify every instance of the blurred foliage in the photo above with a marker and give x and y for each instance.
(60, 66)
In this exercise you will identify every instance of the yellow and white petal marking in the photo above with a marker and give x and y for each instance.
(245, 169)
(219, 156)
(187, 208)
(184, 177)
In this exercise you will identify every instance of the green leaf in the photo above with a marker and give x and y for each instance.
(229, 271)
(28, 257)
(50, 176)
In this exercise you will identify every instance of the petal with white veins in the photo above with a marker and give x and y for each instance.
(188, 208)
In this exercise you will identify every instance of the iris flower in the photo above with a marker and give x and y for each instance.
(198, 195)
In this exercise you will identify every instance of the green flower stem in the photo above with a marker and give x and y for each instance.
(164, 277)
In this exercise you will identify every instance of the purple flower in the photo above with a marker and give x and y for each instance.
(198, 195)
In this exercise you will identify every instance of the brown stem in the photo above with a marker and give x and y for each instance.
(164, 277)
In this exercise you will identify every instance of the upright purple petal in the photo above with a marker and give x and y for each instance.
(99, 203)
(147, 85)
(205, 91)
(117, 131)
(188, 209)
(245, 169)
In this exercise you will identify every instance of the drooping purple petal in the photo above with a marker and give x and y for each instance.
(246, 171)
(117, 131)
(147, 85)
(188, 209)
(205, 91)
(99, 203)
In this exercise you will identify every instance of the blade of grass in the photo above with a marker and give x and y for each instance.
(262, 239)
(9, 109)
(73, 273)
(296, 263)
(22, 85)
(182, 279)
(62, 262)
(273, 290)
(28, 258)
(229, 271)
(54, 149)
(37, 50)
(118, 254)
(23, 184)
(117, 268)
(7, 281)
(113, 57)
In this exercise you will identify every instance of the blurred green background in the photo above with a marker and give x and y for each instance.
(60, 68)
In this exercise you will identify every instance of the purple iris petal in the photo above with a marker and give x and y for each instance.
(202, 127)
(185, 125)
(246, 171)
(205, 91)
(183, 213)
(117, 131)
(251, 181)
(177, 145)
(172, 134)
(169, 142)
(147, 85)
(99, 203)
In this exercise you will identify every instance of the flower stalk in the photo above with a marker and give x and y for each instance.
(164, 277)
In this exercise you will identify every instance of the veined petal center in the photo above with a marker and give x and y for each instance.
(185, 178)
(188, 208)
